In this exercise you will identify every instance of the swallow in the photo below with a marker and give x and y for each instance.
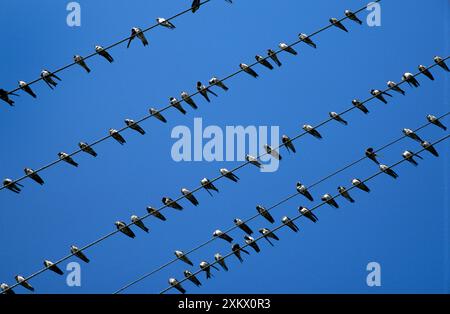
(273, 55)
(53, 267)
(215, 81)
(352, 16)
(33, 175)
(439, 61)
(187, 98)
(229, 175)
(155, 113)
(87, 149)
(423, 69)
(242, 225)
(370, 153)
(250, 241)
(26, 88)
(360, 185)
(182, 257)
(411, 134)
(189, 196)
(21, 281)
(395, 87)
(307, 40)
(358, 104)
(116, 135)
(48, 76)
(195, 5)
(6, 289)
(122, 227)
(4, 95)
(221, 261)
(12, 186)
(167, 201)
(139, 223)
(429, 147)
(206, 267)
(335, 116)
(265, 213)
(137, 32)
(434, 120)
(335, 22)
(80, 61)
(309, 129)
(267, 234)
(287, 142)
(163, 22)
(308, 214)
(327, 198)
(191, 277)
(248, 70)
(288, 222)
(66, 157)
(344, 193)
(379, 95)
(409, 156)
(285, 47)
(174, 283)
(273, 152)
(236, 249)
(78, 253)
(253, 160)
(152, 211)
(303, 190)
(388, 171)
(410, 79)
(102, 52)
(264, 62)
(203, 90)
(220, 234)
(176, 104)
(208, 185)
(134, 126)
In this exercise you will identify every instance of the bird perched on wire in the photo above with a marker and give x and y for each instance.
(267, 234)
(134, 126)
(303, 37)
(308, 214)
(244, 67)
(370, 153)
(388, 171)
(122, 227)
(411, 134)
(66, 157)
(273, 55)
(378, 94)
(410, 79)
(182, 257)
(116, 135)
(53, 267)
(78, 253)
(250, 241)
(21, 281)
(434, 120)
(33, 175)
(439, 61)
(229, 175)
(287, 48)
(176, 104)
(265, 213)
(137, 32)
(4, 95)
(167, 201)
(309, 129)
(195, 6)
(206, 267)
(191, 277)
(87, 149)
(26, 88)
(12, 186)
(152, 211)
(335, 22)
(208, 185)
(215, 81)
(102, 52)
(189, 196)
(287, 142)
(273, 152)
(48, 76)
(423, 69)
(253, 160)
(155, 113)
(430, 148)
(409, 156)
(264, 62)
(187, 98)
(203, 90)
(303, 190)
(174, 283)
(237, 249)
(360, 185)
(327, 198)
(352, 16)
(163, 22)
(290, 223)
(221, 261)
(358, 104)
(335, 116)
(139, 223)
(344, 193)
(80, 61)
(392, 85)
(220, 234)
(242, 225)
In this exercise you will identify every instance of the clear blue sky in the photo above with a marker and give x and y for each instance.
(403, 224)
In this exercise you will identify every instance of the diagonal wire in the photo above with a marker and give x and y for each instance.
(300, 215)
(158, 269)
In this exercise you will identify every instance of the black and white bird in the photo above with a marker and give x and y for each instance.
(439, 61)
(48, 77)
(242, 225)
(208, 185)
(273, 55)
(102, 52)
(195, 5)
(309, 129)
(250, 241)
(53, 267)
(214, 81)
(191, 277)
(206, 267)
(267, 234)
(378, 94)
(244, 67)
(189, 196)
(303, 190)
(434, 120)
(176, 104)
(352, 16)
(4, 95)
(392, 85)
(87, 149)
(264, 62)
(253, 160)
(344, 193)
(12, 186)
(66, 157)
(423, 69)
(388, 171)
(187, 98)
(155, 113)
(21, 281)
(33, 175)
(78, 253)
(335, 116)
(410, 79)
(287, 48)
(80, 61)
(134, 126)
(139, 223)
(273, 152)
(370, 153)
(174, 283)
(430, 148)
(335, 22)
(26, 88)
(137, 32)
(116, 135)
(221, 261)
(358, 104)
(163, 22)
(265, 213)
(308, 214)
(237, 249)
(287, 142)
(409, 156)
(167, 201)
(122, 227)
(229, 175)
(6, 289)
(307, 40)
(290, 223)
(182, 257)
(327, 198)
(360, 185)
(154, 212)
(203, 90)
(220, 234)
(411, 134)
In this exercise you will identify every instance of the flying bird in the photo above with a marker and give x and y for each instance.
(215, 81)
(288, 222)
(33, 175)
(139, 223)
(187, 98)
(307, 40)
(308, 214)
(12, 186)
(152, 211)
(423, 69)
(163, 22)
(265, 213)
(412, 135)
(87, 149)
(66, 157)
(392, 85)
(250, 241)
(335, 116)
(206, 267)
(155, 113)
(21, 281)
(236, 249)
(370, 153)
(434, 120)
(273, 152)
(242, 225)
(176, 104)
(220, 234)
(102, 52)
(344, 193)
(335, 22)
(409, 156)
(48, 76)
(267, 234)
(189, 196)
(439, 61)
(137, 32)
(78, 253)
(358, 104)
(309, 129)
(327, 198)
(273, 55)
(430, 148)
(6, 289)
(229, 175)
(167, 201)
(53, 267)
(203, 90)
(134, 126)
(221, 261)
(122, 227)
(174, 283)
(287, 142)
(191, 277)
(116, 135)
(303, 190)
(253, 160)
(360, 185)
(248, 70)
(264, 62)
(182, 257)
(352, 16)
(80, 61)
(388, 171)
(25, 87)
(287, 48)
(410, 79)
(208, 185)
(195, 5)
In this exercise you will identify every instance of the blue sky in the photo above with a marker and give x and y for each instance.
(403, 224)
